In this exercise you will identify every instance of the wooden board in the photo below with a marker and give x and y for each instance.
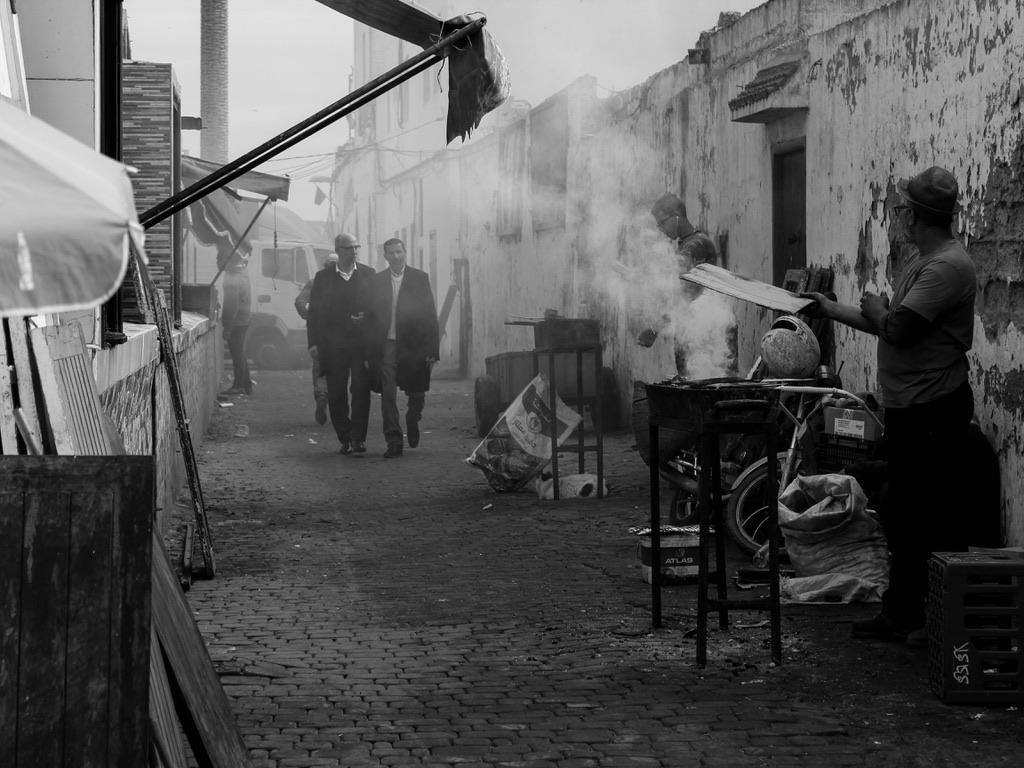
(745, 288)
(8, 429)
(170, 360)
(75, 538)
(23, 372)
(200, 700)
(163, 723)
(73, 407)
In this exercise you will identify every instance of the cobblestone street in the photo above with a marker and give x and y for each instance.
(371, 612)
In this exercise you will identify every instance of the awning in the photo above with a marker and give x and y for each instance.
(67, 217)
(223, 216)
(478, 77)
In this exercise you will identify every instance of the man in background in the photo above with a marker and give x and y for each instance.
(403, 341)
(235, 317)
(319, 380)
(335, 339)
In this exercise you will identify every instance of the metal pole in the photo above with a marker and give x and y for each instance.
(240, 239)
(309, 126)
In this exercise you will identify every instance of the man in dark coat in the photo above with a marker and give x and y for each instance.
(403, 340)
(336, 340)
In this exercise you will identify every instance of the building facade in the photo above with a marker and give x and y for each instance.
(785, 131)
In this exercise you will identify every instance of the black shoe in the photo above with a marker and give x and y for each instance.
(394, 451)
(879, 627)
(917, 638)
(412, 430)
(346, 449)
(321, 410)
(358, 447)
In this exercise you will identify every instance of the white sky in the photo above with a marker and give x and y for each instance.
(290, 58)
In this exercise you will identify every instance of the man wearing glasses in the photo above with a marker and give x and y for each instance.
(924, 333)
(335, 339)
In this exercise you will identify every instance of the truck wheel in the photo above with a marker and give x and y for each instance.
(267, 348)
(486, 398)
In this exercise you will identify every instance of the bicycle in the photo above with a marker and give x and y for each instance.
(745, 491)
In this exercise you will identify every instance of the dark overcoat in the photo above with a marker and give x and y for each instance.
(416, 331)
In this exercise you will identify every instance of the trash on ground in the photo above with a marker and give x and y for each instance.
(518, 447)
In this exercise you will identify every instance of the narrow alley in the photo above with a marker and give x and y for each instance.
(371, 612)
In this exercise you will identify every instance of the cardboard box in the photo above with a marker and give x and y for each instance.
(851, 422)
(679, 553)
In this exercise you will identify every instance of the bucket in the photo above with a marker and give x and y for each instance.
(679, 552)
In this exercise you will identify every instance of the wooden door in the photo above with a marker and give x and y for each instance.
(75, 563)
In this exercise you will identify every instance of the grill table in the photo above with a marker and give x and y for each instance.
(708, 409)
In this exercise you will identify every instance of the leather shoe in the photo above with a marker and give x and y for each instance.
(412, 430)
(393, 452)
(358, 447)
(321, 410)
(346, 449)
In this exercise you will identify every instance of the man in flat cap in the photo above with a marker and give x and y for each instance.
(924, 333)
(693, 247)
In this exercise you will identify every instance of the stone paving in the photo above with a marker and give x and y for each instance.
(372, 612)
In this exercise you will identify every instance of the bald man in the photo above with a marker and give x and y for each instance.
(335, 339)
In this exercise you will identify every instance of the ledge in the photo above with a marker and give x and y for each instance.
(117, 363)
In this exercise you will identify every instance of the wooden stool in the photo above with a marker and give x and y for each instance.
(747, 417)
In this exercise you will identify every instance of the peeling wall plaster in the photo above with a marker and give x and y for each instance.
(904, 86)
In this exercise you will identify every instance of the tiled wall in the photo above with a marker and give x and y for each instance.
(150, 136)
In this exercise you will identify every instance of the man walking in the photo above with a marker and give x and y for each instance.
(924, 333)
(335, 340)
(319, 378)
(403, 339)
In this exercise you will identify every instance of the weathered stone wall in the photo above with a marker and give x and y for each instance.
(138, 399)
(893, 87)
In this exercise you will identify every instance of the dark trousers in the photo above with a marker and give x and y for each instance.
(239, 362)
(343, 367)
(393, 434)
(928, 497)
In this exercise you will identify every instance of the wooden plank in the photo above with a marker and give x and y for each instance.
(170, 360)
(23, 372)
(42, 658)
(8, 429)
(745, 288)
(89, 674)
(188, 548)
(163, 722)
(12, 522)
(33, 445)
(55, 414)
(61, 354)
(203, 707)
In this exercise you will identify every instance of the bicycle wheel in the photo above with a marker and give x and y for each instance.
(746, 516)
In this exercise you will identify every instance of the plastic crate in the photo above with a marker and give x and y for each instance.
(976, 627)
(834, 452)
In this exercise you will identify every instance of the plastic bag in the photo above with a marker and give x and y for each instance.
(829, 531)
(580, 486)
(518, 447)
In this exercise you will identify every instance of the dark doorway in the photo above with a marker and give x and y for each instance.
(789, 212)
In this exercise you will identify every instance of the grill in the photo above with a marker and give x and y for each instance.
(705, 401)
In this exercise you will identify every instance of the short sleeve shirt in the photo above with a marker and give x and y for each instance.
(696, 248)
(941, 289)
